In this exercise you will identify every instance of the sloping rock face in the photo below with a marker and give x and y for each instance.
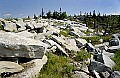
(69, 43)
(12, 45)
(32, 68)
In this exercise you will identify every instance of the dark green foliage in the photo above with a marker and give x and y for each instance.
(1, 28)
(55, 15)
(49, 15)
(82, 55)
(56, 67)
(42, 13)
(63, 16)
(117, 61)
(35, 17)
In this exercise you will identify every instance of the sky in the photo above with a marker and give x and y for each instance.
(23, 8)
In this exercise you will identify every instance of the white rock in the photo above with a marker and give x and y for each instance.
(12, 45)
(10, 67)
(80, 42)
(58, 46)
(32, 68)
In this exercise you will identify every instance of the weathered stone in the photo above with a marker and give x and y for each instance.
(68, 43)
(96, 74)
(105, 74)
(80, 42)
(90, 47)
(31, 69)
(115, 74)
(80, 75)
(26, 34)
(58, 46)
(110, 55)
(39, 36)
(114, 42)
(9, 26)
(113, 49)
(72, 33)
(98, 66)
(107, 61)
(21, 25)
(12, 45)
(9, 67)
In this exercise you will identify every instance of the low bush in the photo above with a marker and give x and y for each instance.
(56, 67)
(117, 61)
(65, 32)
(82, 55)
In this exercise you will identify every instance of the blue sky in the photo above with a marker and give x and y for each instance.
(22, 8)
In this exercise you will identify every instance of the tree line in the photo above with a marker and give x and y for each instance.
(109, 23)
(55, 15)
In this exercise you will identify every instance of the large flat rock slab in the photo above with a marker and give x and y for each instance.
(12, 45)
(10, 67)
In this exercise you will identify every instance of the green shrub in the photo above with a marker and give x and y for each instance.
(96, 39)
(56, 67)
(65, 32)
(117, 61)
(82, 55)
(1, 28)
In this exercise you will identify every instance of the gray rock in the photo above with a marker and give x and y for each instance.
(31, 69)
(105, 74)
(21, 25)
(12, 45)
(96, 74)
(9, 67)
(72, 33)
(90, 47)
(114, 42)
(26, 34)
(115, 74)
(112, 49)
(39, 36)
(80, 42)
(58, 46)
(98, 67)
(80, 75)
(68, 43)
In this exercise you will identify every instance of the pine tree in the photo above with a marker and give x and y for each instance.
(35, 17)
(42, 13)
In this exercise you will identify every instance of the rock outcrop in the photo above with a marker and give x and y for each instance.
(12, 45)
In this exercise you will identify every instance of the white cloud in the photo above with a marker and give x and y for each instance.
(7, 14)
(21, 14)
(114, 13)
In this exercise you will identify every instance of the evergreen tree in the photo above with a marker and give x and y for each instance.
(63, 15)
(42, 13)
(49, 15)
(55, 15)
(60, 10)
(94, 14)
(90, 14)
(35, 17)
(28, 17)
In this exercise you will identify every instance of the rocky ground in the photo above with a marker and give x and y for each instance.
(25, 45)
